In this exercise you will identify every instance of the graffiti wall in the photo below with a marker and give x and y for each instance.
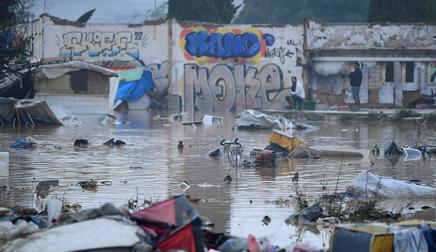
(212, 68)
(232, 68)
(105, 42)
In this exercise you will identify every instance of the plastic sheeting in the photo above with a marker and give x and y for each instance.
(256, 120)
(409, 239)
(86, 235)
(387, 187)
(135, 89)
(53, 71)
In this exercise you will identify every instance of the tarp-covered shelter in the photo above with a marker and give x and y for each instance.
(78, 86)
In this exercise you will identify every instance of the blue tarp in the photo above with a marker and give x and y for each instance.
(133, 90)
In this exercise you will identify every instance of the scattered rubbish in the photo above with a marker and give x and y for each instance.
(23, 144)
(411, 154)
(308, 214)
(304, 126)
(106, 182)
(327, 221)
(178, 117)
(81, 143)
(253, 119)
(387, 187)
(180, 146)
(305, 152)
(54, 208)
(277, 149)
(43, 187)
(264, 157)
(393, 150)
(375, 150)
(228, 179)
(24, 211)
(184, 185)
(266, 220)
(214, 153)
(89, 185)
(285, 141)
(295, 177)
(64, 116)
(136, 168)
(108, 119)
(205, 185)
(192, 123)
(193, 199)
(212, 120)
(112, 142)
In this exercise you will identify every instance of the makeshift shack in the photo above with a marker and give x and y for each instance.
(77, 86)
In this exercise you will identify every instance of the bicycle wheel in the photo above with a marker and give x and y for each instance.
(234, 155)
(234, 159)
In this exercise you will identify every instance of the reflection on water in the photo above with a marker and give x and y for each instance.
(151, 167)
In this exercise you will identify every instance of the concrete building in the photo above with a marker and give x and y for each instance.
(210, 67)
(397, 62)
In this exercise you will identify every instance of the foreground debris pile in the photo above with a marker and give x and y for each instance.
(170, 224)
(174, 225)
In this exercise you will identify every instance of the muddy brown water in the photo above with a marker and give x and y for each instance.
(151, 167)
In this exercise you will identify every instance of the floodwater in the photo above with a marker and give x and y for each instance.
(151, 167)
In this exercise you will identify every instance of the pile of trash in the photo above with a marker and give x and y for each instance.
(253, 119)
(30, 111)
(172, 224)
(368, 183)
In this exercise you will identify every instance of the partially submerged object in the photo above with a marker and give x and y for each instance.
(299, 149)
(31, 110)
(368, 184)
(253, 119)
(409, 153)
(285, 140)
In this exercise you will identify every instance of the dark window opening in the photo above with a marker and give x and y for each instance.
(389, 72)
(410, 68)
(79, 81)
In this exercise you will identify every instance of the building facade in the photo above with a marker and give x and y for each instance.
(210, 67)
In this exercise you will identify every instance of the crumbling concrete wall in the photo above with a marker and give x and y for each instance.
(369, 36)
(407, 47)
(235, 67)
(145, 44)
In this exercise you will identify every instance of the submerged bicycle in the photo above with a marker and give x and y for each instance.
(233, 150)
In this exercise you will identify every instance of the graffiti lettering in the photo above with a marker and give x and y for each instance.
(237, 87)
(107, 44)
(280, 52)
(224, 46)
(160, 76)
